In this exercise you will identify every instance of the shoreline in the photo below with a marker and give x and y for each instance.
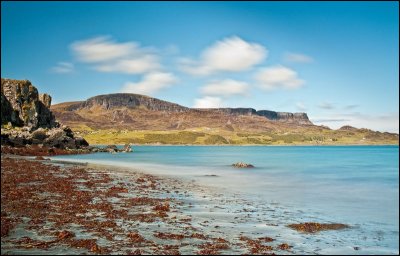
(255, 145)
(133, 210)
(136, 211)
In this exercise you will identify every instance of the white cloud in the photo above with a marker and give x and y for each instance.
(63, 68)
(208, 102)
(231, 54)
(297, 58)
(384, 123)
(300, 106)
(227, 87)
(278, 77)
(138, 65)
(100, 49)
(107, 55)
(151, 83)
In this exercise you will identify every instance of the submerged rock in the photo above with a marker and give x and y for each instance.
(242, 165)
(313, 227)
(112, 149)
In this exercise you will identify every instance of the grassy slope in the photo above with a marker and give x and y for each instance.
(216, 136)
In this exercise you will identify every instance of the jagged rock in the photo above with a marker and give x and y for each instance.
(127, 148)
(242, 165)
(45, 99)
(23, 106)
(81, 142)
(8, 115)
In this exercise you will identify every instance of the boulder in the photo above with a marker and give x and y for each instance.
(242, 165)
(127, 148)
(111, 149)
(81, 142)
(39, 134)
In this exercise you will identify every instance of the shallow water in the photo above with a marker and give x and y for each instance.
(356, 185)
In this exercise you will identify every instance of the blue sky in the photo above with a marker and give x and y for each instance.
(337, 61)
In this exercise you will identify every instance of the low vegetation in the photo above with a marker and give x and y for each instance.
(207, 136)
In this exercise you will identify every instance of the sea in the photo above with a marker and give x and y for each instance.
(354, 185)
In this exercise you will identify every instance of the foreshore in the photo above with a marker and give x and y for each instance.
(48, 207)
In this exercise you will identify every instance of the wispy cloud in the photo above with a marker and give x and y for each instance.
(225, 88)
(326, 105)
(351, 107)
(208, 102)
(137, 65)
(297, 58)
(151, 83)
(276, 77)
(230, 54)
(300, 106)
(63, 68)
(388, 122)
(106, 55)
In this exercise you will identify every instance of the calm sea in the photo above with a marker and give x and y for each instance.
(356, 185)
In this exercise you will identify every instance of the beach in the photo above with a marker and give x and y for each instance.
(66, 208)
(151, 202)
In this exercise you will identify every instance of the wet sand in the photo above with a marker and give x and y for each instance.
(49, 207)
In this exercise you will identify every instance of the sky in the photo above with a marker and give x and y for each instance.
(336, 61)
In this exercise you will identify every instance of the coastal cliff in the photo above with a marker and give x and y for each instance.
(26, 118)
(22, 105)
(118, 100)
(126, 108)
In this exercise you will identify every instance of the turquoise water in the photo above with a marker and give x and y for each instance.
(357, 185)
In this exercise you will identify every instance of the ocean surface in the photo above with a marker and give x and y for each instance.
(355, 185)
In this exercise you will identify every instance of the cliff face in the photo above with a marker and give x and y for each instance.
(130, 101)
(22, 105)
(300, 118)
(136, 101)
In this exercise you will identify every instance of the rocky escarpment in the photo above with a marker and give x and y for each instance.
(299, 118)
(26, 118)
(117, 100)
(136, 101)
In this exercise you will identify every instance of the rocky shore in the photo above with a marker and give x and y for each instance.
(75, 209)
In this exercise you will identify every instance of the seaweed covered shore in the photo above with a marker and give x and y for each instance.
(74, 209)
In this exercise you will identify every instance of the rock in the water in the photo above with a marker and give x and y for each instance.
(127, 148)
(111, 149)
(242, 165)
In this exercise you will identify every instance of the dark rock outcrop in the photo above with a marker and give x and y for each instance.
(61, 137)
(113, 149)
(231, 111)
(300, 118)
(22, 106)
